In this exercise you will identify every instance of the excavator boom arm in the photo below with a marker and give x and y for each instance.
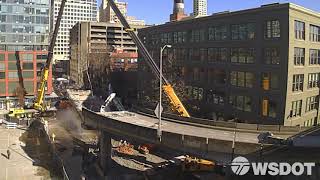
(175, 102)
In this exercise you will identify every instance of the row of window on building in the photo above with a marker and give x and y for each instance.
(298, 81)
(269, 107)
(300, 31)
(245, 31)
(300, 54)
(239, 102)
(269, 81)
(12, 86)
(238, 55)
(312, 103)
(4, 47)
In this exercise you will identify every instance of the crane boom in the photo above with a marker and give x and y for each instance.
(39, 102)
(176, 104)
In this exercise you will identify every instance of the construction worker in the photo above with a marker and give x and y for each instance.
(8, 154)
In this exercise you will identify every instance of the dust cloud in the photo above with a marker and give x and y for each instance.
(70, 120)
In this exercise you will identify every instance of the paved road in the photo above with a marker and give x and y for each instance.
(20, 164)
(150, 122)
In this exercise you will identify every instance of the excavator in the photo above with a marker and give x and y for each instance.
(190, 163)
(175, 102)
(39, 106)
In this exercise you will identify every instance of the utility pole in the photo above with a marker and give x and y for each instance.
(159, 132)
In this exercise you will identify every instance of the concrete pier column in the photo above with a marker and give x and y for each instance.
(105, 151)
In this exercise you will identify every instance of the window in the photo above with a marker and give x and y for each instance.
(194, 54)
(197, 35)
(272, 56)
(28, 66)
(312, 103)
(203, 54)
(314, 57)
(2, 76)
(296, 107)
(28, 85)
(12, 57)
(216, 76)
(197, 93)
(2, 57)
(272, 29)
(2, 66)
(12, 66)
(299, 56)
(297, 84)
(242, 79)
(217, 54)
(270, 81)
(27, 74)
(243, 55)
(299, 28)
(13, 75)
(242, 103)
(314, 33)
(42, 57)
(243, 31)
(313, 80)
(215, 97)
(217, 33)
(269, 108)
(27, 57)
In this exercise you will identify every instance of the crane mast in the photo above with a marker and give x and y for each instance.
(175, 102)
(39, 102)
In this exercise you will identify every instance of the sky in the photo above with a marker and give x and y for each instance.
(158, 11)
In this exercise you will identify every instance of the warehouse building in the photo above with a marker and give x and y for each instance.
(258, 65)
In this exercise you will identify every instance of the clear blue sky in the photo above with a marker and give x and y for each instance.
(158, 11)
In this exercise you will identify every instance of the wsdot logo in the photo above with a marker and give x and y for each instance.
(241, 166)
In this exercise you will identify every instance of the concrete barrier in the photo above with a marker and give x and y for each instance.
(253, 127)
(272, 128)
(172, 140)
(197, 143)
(215, 145)
(246, 148)
(242, 126)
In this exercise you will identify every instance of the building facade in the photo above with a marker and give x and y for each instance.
(257, 66)
(91, 44)
(24, 39)
(106, 13)
(74, 11)
(200, 7)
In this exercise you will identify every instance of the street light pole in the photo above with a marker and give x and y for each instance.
(160, 91)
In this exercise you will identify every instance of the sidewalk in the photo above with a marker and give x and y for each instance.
(20, 165)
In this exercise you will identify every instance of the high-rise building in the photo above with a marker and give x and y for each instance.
(102, 38)
(258, 65)
(106, 13)
(200, 7)
(74, 11)
(24, 36)
(178, 11)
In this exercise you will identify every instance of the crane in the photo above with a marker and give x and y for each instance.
(39, 101)
(175, 102)
(39, 106)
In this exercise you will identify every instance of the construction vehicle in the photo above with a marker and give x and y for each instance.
(193, 164)
(175, 102)
(112, 99)
(40, 106)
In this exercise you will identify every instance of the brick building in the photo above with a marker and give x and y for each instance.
(258, 65)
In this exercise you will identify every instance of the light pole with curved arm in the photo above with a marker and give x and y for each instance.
(160, 87)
